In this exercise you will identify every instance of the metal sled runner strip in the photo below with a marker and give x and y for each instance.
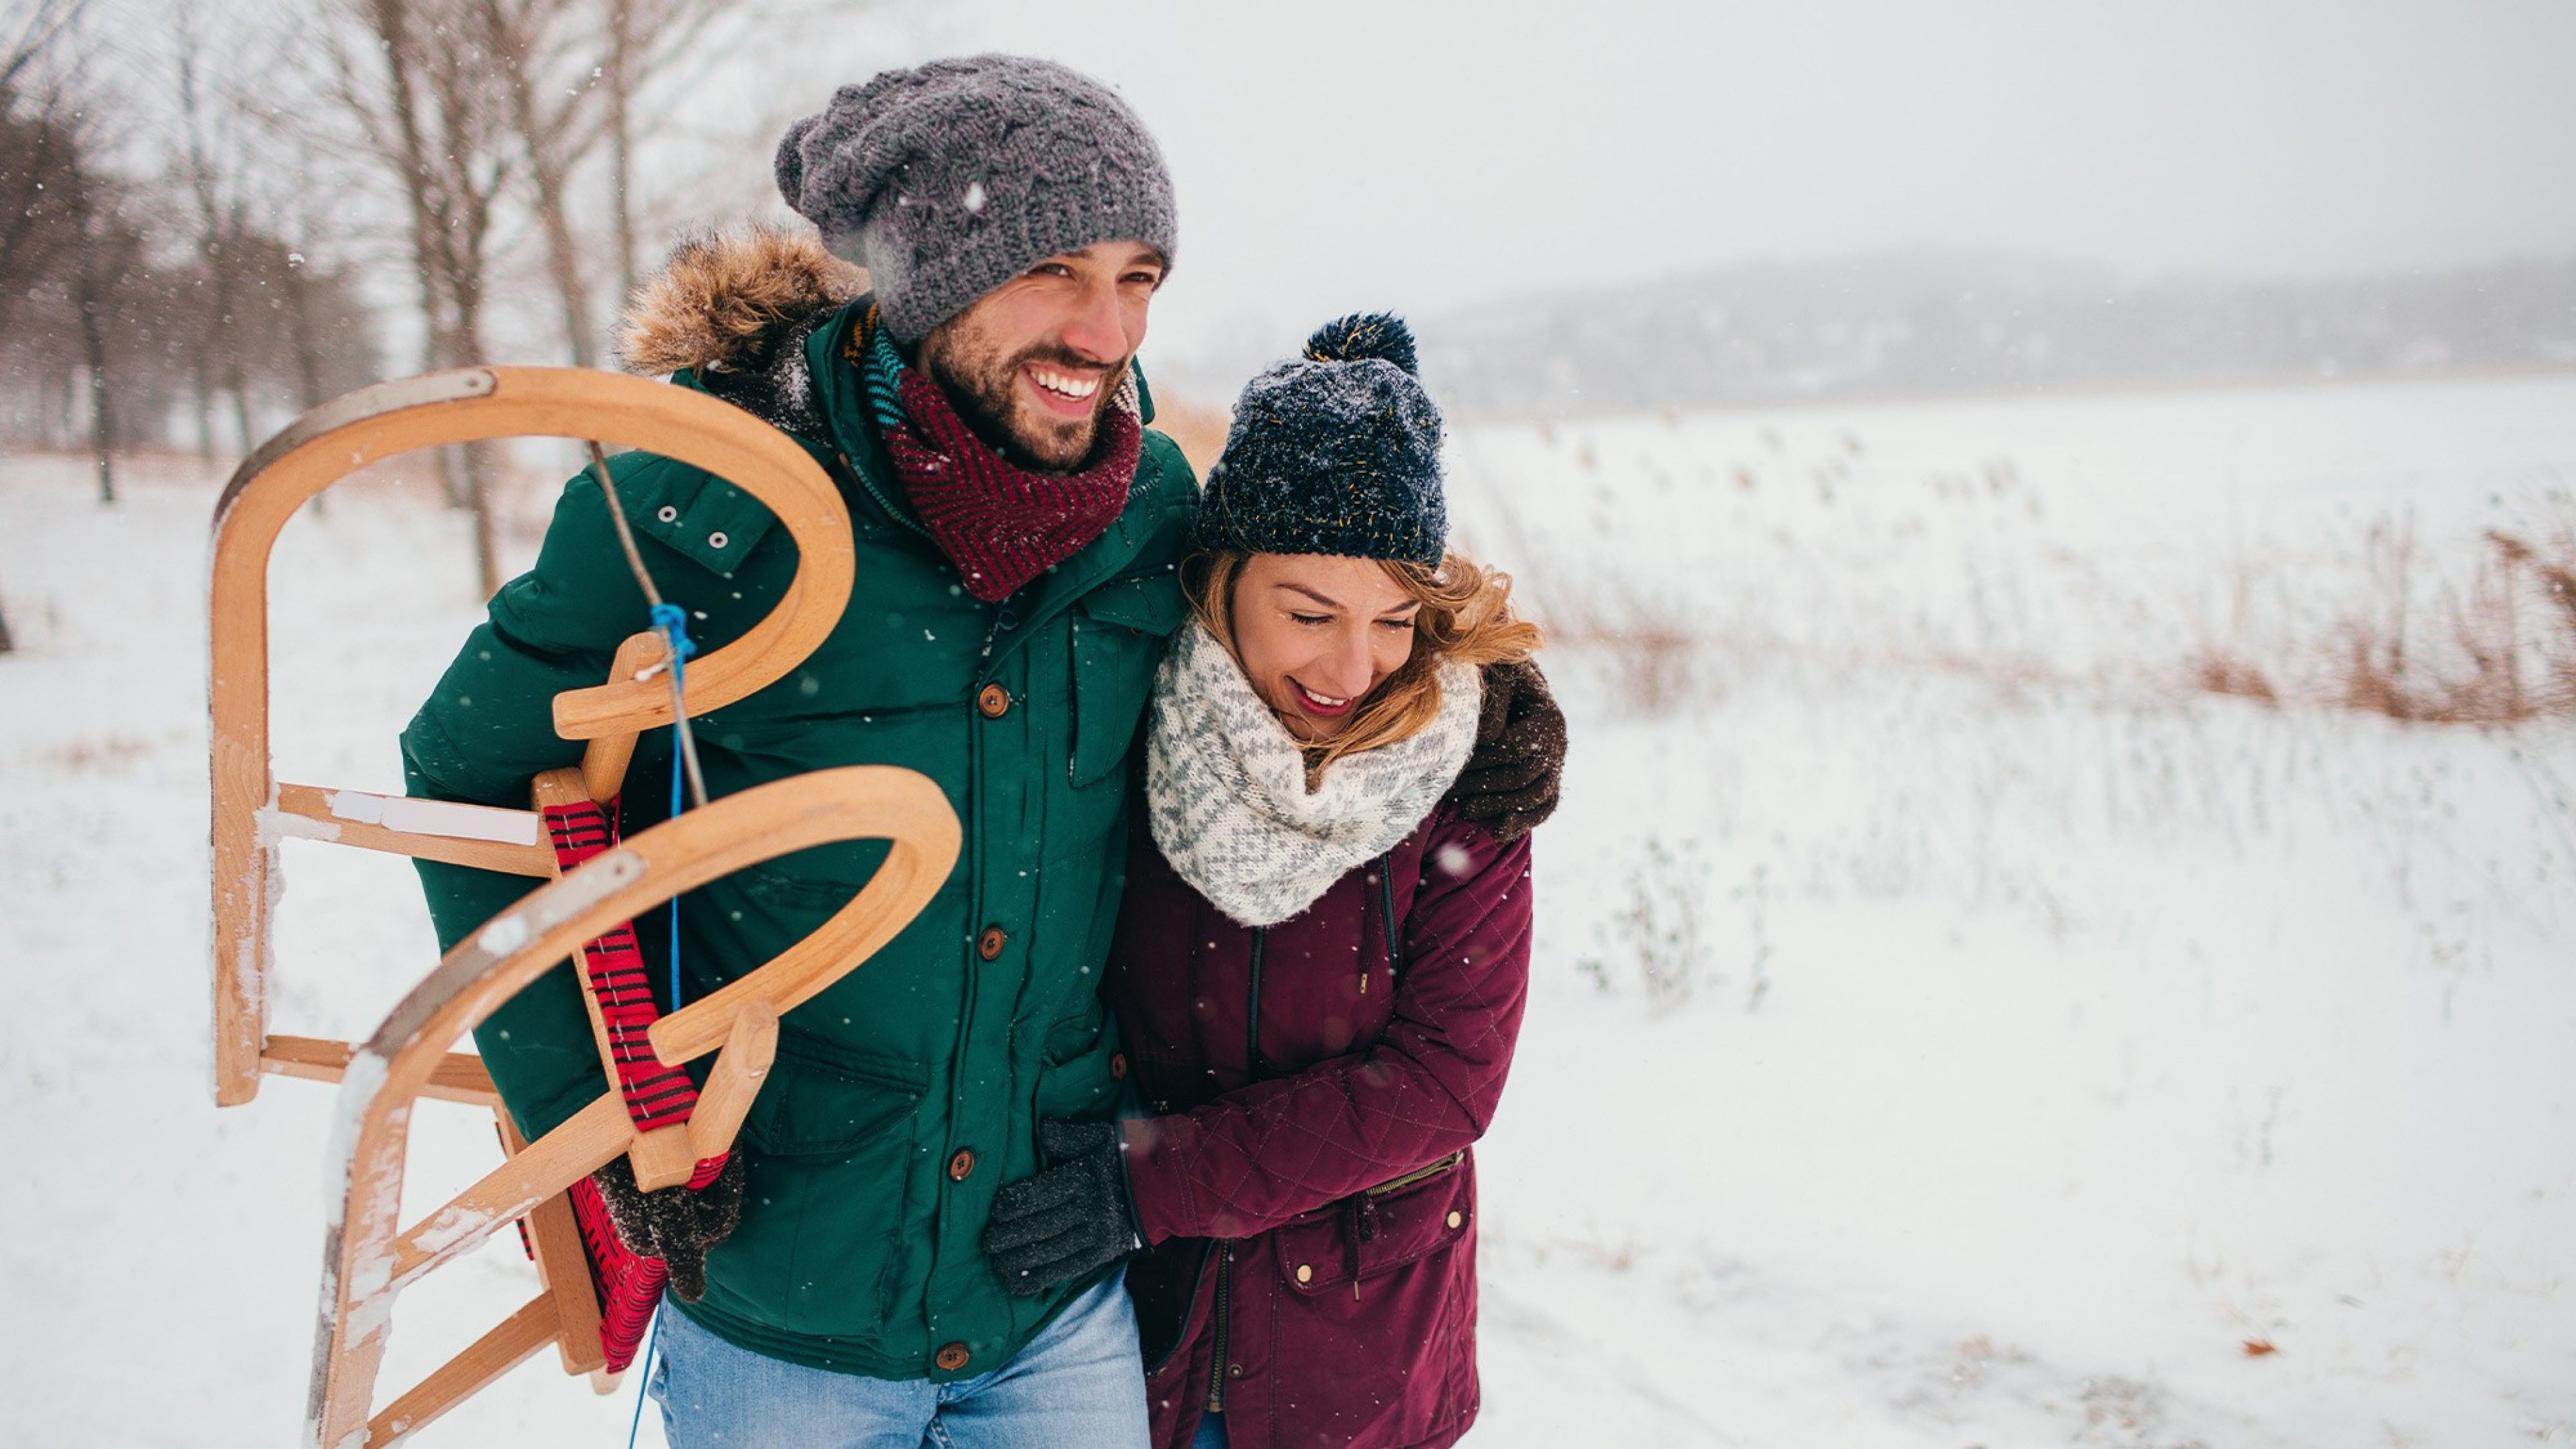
(509, 841)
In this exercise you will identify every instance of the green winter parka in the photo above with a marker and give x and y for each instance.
(909, 1091)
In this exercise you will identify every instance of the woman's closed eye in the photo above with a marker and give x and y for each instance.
(1310, 620)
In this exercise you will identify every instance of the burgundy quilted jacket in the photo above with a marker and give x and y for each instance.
(1304, 1182)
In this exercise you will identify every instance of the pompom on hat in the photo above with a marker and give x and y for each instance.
(948, 179)
(1335, 452)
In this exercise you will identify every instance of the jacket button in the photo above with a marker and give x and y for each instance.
(951, 1358)
(964, 1162)
(1117, 1066)
(1455, 1219)
(994, 701)
(1234, 1370)
(1305, 1274)
(989, 944)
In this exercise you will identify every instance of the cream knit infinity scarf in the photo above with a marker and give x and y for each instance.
(1225, 785)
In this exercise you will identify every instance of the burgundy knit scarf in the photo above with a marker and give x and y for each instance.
(1001, 524)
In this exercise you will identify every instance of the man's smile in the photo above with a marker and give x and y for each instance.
(1065, 394)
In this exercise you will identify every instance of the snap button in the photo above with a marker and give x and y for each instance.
(951, 1358)
(1234, 1370)
(994, 701)
(717, 539)
(1305, 1274)
(668, 514)
(1455, 1219)
(989, 945)
(1117, 1066)
(964, 1162)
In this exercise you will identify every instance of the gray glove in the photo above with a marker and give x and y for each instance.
(1069, 1219)
(673, 1223)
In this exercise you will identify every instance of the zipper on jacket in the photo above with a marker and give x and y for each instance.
(1386, 917)
(1224, 1301)
(1397, 1184)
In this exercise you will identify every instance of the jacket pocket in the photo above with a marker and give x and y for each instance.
(828, 1206)
(822, 1101)
(1372, 1233)
(1119, 631)
(1075, 1081)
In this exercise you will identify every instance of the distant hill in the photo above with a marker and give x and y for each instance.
(1948, 322)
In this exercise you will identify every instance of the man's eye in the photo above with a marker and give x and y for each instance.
(1150, 279)
(1050, 269)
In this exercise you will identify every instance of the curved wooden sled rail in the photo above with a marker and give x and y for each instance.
(370, 1257)
(252, 810)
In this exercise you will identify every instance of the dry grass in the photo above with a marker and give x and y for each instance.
(2215, 671)
(1654, 659)
(2481, 638)
(2496, 648)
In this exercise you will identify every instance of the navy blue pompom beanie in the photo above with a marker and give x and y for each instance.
(1336, 452)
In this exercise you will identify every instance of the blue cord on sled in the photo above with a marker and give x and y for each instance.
(673, 622)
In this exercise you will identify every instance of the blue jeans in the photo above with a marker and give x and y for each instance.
(1211, 1434)
(1078, 1385)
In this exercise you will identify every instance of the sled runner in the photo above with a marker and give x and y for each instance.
(597, 1295)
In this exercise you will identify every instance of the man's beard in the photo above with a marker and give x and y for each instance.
(983, 387)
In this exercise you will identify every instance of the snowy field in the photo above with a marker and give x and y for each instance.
(1948, 1029)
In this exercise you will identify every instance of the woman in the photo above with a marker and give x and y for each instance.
(1322, 955)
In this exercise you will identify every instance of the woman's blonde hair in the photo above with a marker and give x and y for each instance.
(1466, 616)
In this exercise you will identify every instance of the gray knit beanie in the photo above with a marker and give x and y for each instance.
(1337, 452)
(949, 179)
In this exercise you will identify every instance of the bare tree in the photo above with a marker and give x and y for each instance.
(34, 158)
(71, 230)
(214, 167)
(107, 248)
(421, 87)
(575, 67)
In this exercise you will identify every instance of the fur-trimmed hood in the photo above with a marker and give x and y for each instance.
(733, 308)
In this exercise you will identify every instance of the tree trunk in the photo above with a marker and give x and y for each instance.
(308, 362)
(621, 143)
(563, 254)
(478, 458)
(544, 137)
(92, 303)
(201, 388)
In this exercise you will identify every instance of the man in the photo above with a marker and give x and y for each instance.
(1016, 525)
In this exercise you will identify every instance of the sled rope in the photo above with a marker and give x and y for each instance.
(672, 620)
(635, 1424)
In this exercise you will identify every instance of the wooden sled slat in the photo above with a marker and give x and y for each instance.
(504, 1348)
(459, 1078)
(554, 1240)
(342, 817)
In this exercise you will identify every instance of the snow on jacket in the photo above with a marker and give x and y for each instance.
(1304, 1181)
(911, 1089)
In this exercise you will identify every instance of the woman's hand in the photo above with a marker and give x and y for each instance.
(1069, 1219)
(1510, 781)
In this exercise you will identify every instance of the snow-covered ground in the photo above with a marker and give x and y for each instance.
(1947, 1031)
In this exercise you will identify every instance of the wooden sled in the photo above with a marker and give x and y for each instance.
(371, 1257)
(253, 812)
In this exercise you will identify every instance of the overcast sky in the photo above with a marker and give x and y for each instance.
(1421, 154)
